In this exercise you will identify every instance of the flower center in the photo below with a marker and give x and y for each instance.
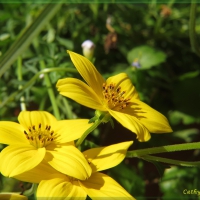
(114, 96)
(39, 137)
(72, 179)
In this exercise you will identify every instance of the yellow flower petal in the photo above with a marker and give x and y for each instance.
(88, 71)
(106, 157)
(123, 81)
(60, 188)
(70, 130)
(133, 124)
(16, 159)
(99, 186)
(34, 118)
(79, 92)
(69, 160)
(12, 133)
(37, 174)
(12, 196)
(154, 121)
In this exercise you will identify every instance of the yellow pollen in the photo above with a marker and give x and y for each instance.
(114, 96)
(39, 137)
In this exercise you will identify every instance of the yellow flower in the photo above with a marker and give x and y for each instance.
(12, 196)
(97, 186)
(38, 136)
(116, 96)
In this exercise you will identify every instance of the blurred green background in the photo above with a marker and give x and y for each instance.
(150, 43)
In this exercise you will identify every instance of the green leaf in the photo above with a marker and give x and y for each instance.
(66, 43)
(189, 75)
(93, 119)
(177, 117)
(187, 135)
(147, 56)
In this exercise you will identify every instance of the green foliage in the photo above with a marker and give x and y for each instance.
(168, 79)
(176, 180)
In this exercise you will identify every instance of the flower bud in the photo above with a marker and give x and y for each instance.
(88, 48)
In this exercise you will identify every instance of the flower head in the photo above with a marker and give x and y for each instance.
(116, 96)
(136, 63)
(37, 137)
(98, 185)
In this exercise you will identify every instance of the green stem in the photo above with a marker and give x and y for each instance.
(50, 91)
(68, 110)
(19, 77)
(27, 85)
(31, 190)
(171, 161)
(163, 149)
(89, 130)
(192, 33)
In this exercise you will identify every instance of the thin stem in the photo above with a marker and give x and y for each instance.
(19, 77)
(192, 32)
(27, 85)
(171, 161)
(68, 110)
(50, 91)
(31, 190)
(89, 130)
(163, 149)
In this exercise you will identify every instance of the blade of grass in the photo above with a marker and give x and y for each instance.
(27, 36)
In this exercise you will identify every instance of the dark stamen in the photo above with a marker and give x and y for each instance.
(118, 89)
